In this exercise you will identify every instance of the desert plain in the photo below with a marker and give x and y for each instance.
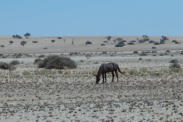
(148, 91)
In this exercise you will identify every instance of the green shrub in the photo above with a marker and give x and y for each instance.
(120, 44)
(6, 66)
(57, 62)
(174, 61)
(175, 65)
(14, 62)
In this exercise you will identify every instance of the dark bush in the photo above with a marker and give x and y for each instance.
(57, 62)
(102, 44)
(145, 38)
(108, 37)
(2, 46)
(175, 42)
(151, 41)
(14, 62)
(88, 42)
(27, 35)
(135, 52)
(120, 44)
(156, 43)
(175, 65)
(19, 55)
(45, 48)
(11, 42)
(6, 66)
(34, 41)
(174, 61)
(17, 36)
(23, 43)
(59, 37)
(41, 56)
(52, 41)
(130, 43)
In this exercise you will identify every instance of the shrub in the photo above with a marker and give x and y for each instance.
(2, 46)
(88, 42)
(57, 62)
(59, 37)
(34, 41)
(102, 44)
(120, 44)
(175, 42)
(11, 42)
(130, 43)
(41, 56)
(6, 66)
(163, 39)
(108, 37)
(174, 64)
(27, 35)
(135, 52)
(174, 61)
(153, 47)
(23, 43)
(52, 41)
(14, 62)
(17, 36)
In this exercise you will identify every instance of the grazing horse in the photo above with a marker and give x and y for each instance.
(105, 68)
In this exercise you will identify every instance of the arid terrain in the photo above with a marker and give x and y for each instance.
(149, 90)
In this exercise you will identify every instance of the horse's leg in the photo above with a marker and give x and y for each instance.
(103, 77)
(112, 76)
(116, 74)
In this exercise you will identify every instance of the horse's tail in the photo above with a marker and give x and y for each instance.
(120, 70)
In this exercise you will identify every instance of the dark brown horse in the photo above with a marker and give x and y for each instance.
(105, 68)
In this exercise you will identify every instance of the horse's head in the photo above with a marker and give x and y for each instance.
(97, 77)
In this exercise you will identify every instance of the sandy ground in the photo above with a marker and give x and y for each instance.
(148, 91)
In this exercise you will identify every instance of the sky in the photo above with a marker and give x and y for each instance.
(91, 17)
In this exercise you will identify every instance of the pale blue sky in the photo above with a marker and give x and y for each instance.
(91, 17)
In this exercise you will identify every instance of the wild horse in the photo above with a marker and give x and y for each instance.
(105, 68)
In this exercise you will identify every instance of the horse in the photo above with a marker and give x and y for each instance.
(106, 68)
